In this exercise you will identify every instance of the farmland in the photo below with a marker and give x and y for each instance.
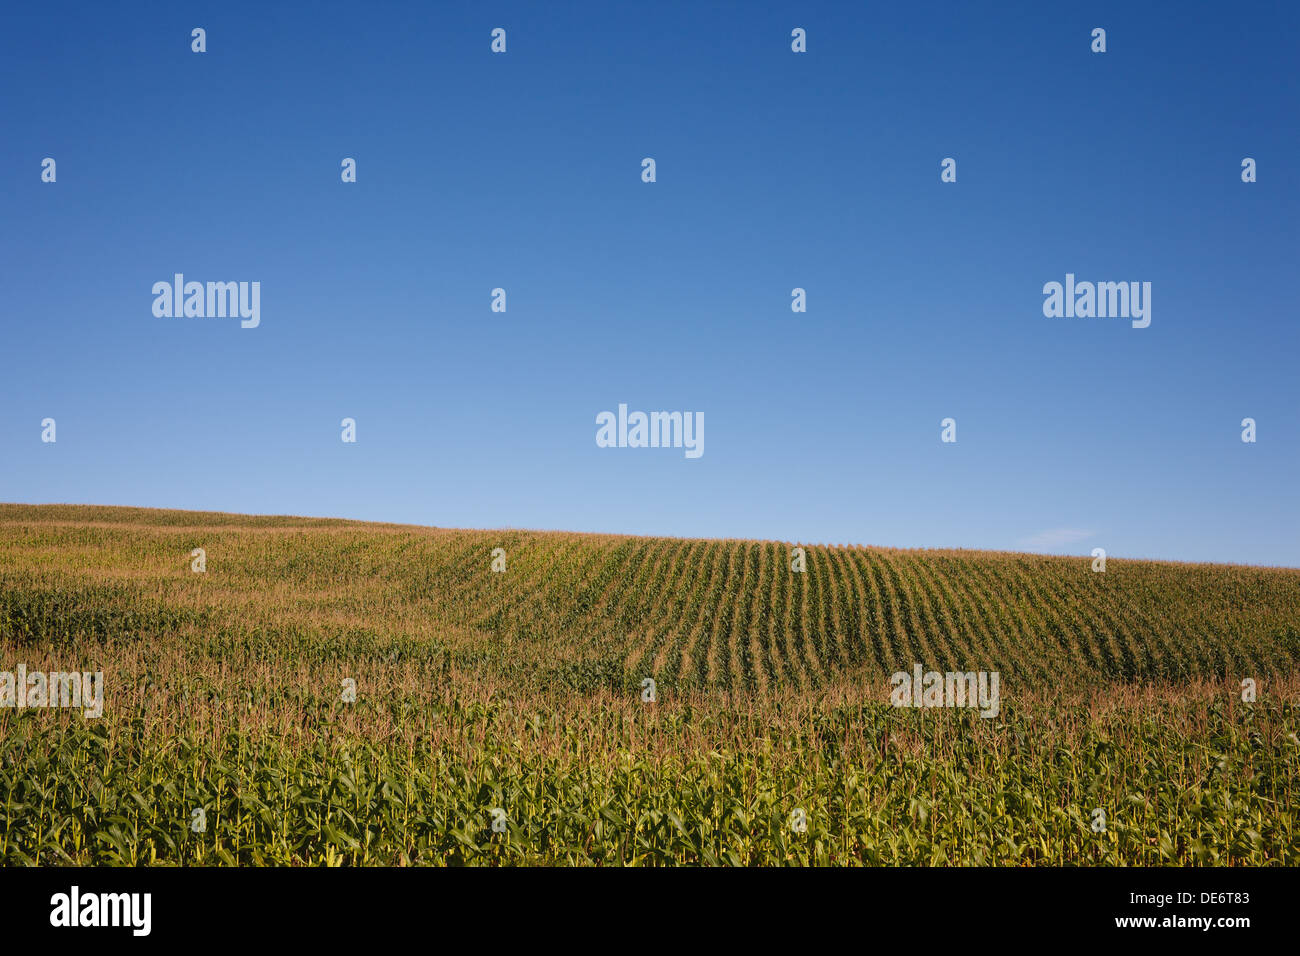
(521, 691)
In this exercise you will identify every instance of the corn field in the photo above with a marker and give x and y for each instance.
(498, 716)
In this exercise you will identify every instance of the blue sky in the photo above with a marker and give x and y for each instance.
(775, 170)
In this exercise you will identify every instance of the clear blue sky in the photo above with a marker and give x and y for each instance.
(775, 170)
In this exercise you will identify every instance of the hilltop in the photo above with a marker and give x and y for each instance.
(590, 611)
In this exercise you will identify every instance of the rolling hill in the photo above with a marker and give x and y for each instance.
(605, 611)
(333, 692)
